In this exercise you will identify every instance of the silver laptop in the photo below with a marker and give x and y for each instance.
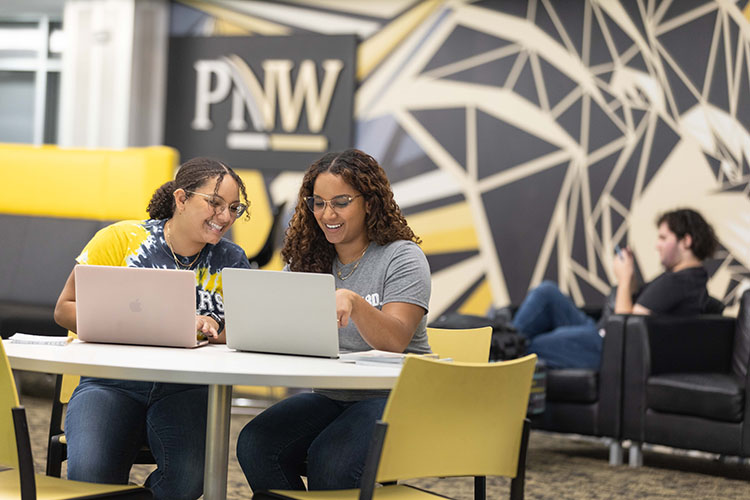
(128, 305)
(280, 312)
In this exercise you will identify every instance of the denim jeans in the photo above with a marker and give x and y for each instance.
(333, 436)
(559, 333)
(108, 421)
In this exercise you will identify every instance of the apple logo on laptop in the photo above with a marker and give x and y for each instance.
(135, 305)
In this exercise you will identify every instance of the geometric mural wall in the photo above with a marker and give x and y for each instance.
(524, 140)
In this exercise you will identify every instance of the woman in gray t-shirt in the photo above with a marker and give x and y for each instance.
(346, 223)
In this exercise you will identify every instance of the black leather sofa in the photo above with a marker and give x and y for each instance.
(589, 402)
(686, 383)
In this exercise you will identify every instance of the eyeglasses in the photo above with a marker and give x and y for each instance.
(219, 205)
(317, 204)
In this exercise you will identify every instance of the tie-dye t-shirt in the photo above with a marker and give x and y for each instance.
(134, 243)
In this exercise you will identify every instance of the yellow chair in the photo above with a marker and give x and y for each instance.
(253, 399)
(445, 419)
(17, 478)
(471, 345)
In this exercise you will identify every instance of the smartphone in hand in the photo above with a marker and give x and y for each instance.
(618, 251)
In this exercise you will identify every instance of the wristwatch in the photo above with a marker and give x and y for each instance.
(219, 321)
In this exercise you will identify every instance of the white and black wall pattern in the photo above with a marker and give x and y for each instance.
(525, 139)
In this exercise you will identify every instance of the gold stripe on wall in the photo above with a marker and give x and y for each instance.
(445, 229)
(373, 50)
(223, 27)
(457, 240)
(48, 181)
(252, 234)
(249, 23)
(479, 301)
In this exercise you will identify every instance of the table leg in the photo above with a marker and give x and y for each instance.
(217, 442)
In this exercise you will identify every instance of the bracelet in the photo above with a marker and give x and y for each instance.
(219, 321)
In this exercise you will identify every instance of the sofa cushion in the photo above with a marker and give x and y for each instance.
(573, 385)
(38, 254)
(28, 318)
(716, 396)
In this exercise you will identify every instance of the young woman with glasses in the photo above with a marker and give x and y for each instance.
(346, 223)
(108, 421)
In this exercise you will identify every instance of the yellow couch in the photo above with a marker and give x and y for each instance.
(52, 201)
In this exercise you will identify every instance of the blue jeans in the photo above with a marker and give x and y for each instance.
(560, 333)
(333, 436)
(108, 421)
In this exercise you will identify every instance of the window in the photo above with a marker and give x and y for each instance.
(30, 62)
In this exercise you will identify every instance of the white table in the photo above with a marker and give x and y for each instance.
(213, 365)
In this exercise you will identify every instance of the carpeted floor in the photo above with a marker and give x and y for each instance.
(558, 467)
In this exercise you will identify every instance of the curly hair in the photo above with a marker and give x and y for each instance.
(190, 176)
(306, 247)
(686, 221)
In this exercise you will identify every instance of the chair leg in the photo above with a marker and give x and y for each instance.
(56, 451)
(616, 452)
(635, 455)
(480, 488)
(55, 456)
(25, 460)
(518, 483)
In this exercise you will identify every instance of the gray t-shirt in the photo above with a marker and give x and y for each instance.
(396, 272)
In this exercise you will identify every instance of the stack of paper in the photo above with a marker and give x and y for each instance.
(377, 357)
(26, 338)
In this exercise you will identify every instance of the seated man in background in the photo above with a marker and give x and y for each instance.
(564, 337)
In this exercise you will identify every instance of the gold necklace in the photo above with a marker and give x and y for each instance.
(356, 265)
(174, 256)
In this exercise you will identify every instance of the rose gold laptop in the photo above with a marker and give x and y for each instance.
(129, 305)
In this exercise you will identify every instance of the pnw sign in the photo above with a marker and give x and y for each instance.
(260, 102)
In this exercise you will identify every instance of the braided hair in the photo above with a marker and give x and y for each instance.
(190, 176)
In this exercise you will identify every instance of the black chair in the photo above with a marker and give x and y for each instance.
(686, 383)
(589, 402)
